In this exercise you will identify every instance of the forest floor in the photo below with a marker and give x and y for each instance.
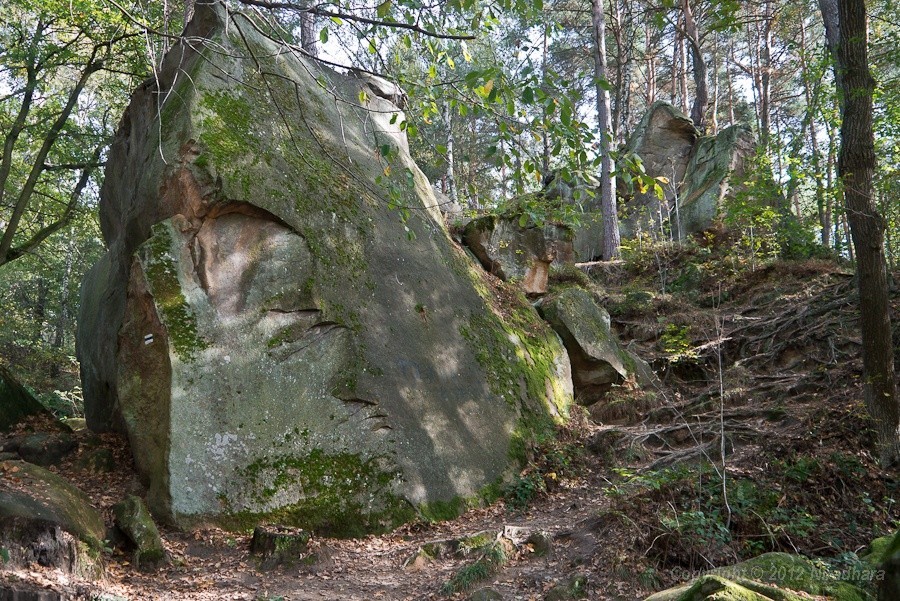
(759, 365)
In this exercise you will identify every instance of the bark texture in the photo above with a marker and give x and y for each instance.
(856, 167)
(611, 241)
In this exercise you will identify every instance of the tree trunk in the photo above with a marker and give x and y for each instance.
(610, 247)
(188, 11)
(451, 179)
(856, 168)
(651, 65)
(730, 81)
(811, 91)
(714, 112)
(698, 65)
(309, 40)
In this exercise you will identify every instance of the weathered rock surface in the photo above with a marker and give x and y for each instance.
(699, 170)
(508, 250)
(45, 448)
(46, 520)
(264, 328)
(16, 403)
(716, 162)
(598, 360)
(134, 520)
(768, 577)
(664, 140)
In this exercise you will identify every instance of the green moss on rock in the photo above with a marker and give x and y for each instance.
(162, 276)
(341, 495)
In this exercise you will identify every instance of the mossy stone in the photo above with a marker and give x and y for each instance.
(134, 520)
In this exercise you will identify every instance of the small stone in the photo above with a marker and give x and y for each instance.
(98, 461)
(486, 594)
(45, 448)
(540, 543)
(134, 520)
(279, 545)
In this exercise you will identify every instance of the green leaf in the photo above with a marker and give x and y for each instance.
(383, 9)
(528, 96)
(565, 115)
(323, 35)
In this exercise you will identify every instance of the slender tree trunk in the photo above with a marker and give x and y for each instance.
(651, 65)
(451, 179)
(674, 76)
(730, 81)
(545, 135)
(682, 73)
(698, 65)
(188, 11)
(811, 93)
(765, 75)
(39, 310)
(856, 168)
(714, 113)
(610, 246)
(62, 320)
(830, 163)
(309, 39)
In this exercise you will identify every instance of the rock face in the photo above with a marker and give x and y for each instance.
(716, 162)
(598, 361)
(275, 339)
(16, 403)
(699, 170)
(46, 520)
(508, 250)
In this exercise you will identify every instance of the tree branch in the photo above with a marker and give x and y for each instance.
(47, 231)
(351, 17)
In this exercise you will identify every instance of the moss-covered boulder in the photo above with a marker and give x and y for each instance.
(46, 520)
(134, 520)
(884, 559)
(716, 167)
(16, 403)
(282, 324)
(510, 250)
(768, 577)
(697, 172)
(598, 360)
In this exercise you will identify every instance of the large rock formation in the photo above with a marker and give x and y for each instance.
(273, 335)
(510, 250)
(698, 170)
